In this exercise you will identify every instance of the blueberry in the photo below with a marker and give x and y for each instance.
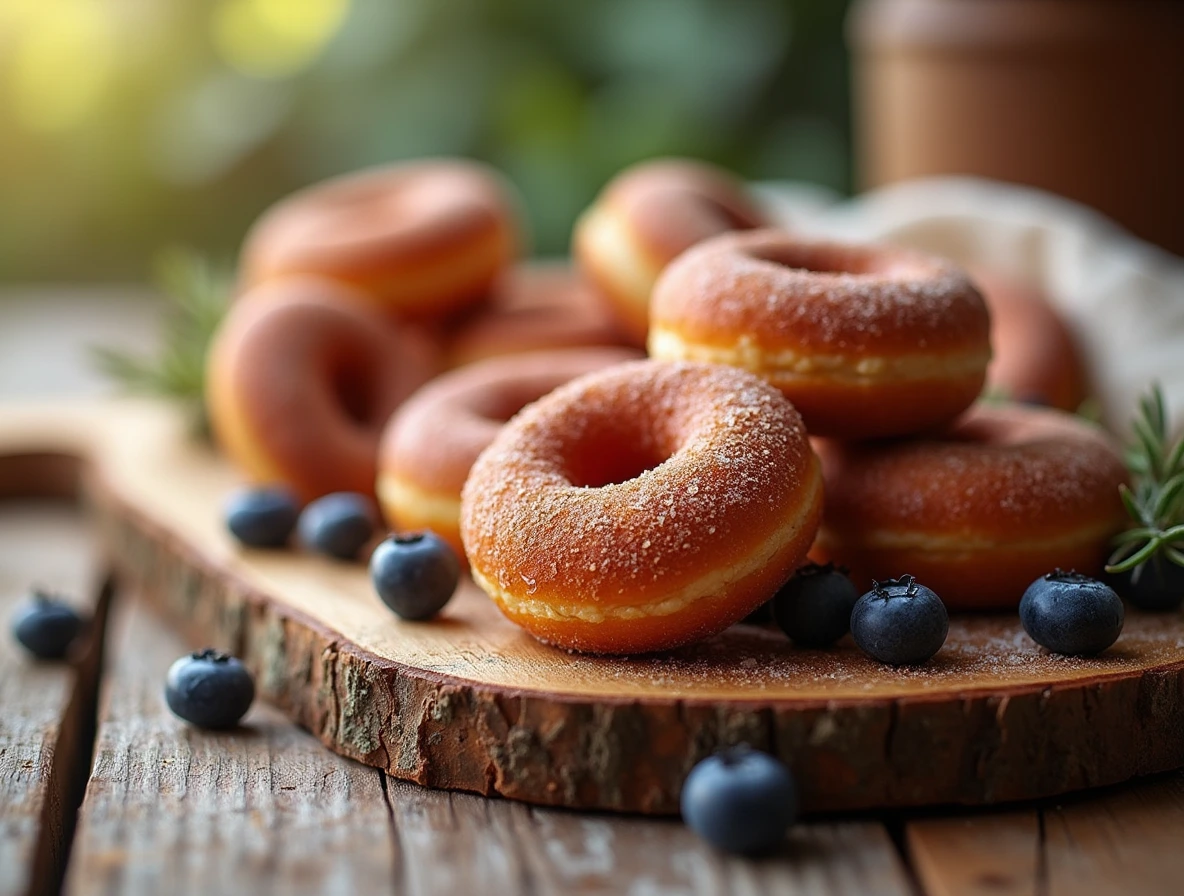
(416, 574)
(262, 517)
(814, 607)
(1157, 584)
(338, 524)
(900, 622)
(740, 800)
(209, 689)
(46, 626)
(1071, 614)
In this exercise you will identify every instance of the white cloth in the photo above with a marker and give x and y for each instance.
(1123, 297)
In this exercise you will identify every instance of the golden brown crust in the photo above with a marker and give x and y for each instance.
(302, 377)
(976, 511)
(642, 507)
(866, 340)
(534, 306)
(644, 218)
(418, 238)
(1036, 358)
(430, 444)
(670, 205)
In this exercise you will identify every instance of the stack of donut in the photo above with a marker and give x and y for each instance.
(883, 351)
(385, 335)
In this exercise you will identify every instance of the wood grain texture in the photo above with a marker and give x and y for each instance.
(986, 854)
(513, 848)
(1126, 840)
(265, 809)
(1118, 840)
(262, 809)
(471, 702)
(40, 737)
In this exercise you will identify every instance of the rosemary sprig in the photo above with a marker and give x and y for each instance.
(1156, 500)
(196, 296)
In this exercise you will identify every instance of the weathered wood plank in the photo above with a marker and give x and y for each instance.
(505, 847)
(988, 854)
(40, 743)
(263, 809)
(1127, 840)
(1123, 840)
(573, 853)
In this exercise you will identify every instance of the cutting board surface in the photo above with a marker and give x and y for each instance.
(472, 702)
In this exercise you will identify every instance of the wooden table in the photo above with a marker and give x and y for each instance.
(164, 808)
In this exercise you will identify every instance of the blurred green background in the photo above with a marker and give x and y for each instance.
(129, 124)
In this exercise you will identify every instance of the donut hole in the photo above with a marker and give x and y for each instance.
(826, 259)
(500, 404)
(353, 388)
(610, 463)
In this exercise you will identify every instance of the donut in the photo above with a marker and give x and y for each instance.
(417, 239)
(534, 306)
(978, 511)
(645, 217)
(1036, 357)
(431, 442)
(642, 507)
(300, 379)
(866, 341)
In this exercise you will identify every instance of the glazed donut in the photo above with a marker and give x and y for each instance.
(1036, 358)
(431, 442)
(534, 306)
(300, 379)
(418, 239)
(644, 218)
(866, 341)
(978, 511)
(642, 507)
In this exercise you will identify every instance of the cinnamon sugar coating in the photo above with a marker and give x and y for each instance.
(866, 341)
(535, 306)
(978, 510)
(301, 378)
(643, 506)
(419, 238)
(644, 218)
(430, 444)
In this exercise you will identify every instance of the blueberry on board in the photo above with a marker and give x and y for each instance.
(338, 524)
(1071, 614)
(814, 607)
(740, 800)
(262, 517)
(1157, 585)
(46, 626)
(209, 689)
(415, 574)
(900, 622)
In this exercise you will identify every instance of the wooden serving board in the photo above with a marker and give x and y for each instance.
(471, 702)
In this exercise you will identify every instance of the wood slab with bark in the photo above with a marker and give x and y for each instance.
(471, 702)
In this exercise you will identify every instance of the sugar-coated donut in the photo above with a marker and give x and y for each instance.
(432, 441)
(534, 306)
(645, 217)
(978, 511)
(300, 380)
(866, 341)
(1036, 359)
(418, 239)
(642, 507)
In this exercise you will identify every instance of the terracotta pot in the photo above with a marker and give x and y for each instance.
(1084, 98)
